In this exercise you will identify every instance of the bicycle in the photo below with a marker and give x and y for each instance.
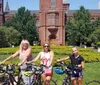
(93, 82)
(9, 73)
(64, 68)
(36, 71)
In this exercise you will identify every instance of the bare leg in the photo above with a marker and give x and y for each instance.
(80, 81)
(48, 78)
(44, 78)
(74, 81)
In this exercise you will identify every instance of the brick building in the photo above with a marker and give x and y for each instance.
(51, 19)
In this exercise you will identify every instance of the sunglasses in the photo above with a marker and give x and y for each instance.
(46, 46)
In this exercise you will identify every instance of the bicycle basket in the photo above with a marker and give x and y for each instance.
(28, 73)
(59, 70)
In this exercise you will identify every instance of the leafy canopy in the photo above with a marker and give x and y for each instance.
(25, 23)
(79, 27)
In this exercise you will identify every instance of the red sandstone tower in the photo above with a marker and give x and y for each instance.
(1, 12)
(52, 22)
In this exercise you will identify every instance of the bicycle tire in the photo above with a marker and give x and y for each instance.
(66, 81)
(20, 82)
(35, 83)
(6, 83)
(93, 81)
(53, 82)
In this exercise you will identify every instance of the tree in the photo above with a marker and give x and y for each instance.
(95, 36)
(9, 36)
(25, 23)
(3, 39)
(96, 23)
(79, 27)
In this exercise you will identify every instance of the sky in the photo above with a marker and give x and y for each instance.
(34, 4)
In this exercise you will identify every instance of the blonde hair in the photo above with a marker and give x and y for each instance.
(24, 42)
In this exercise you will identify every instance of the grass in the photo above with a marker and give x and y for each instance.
(91, 71)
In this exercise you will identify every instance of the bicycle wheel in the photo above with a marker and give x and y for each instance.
(6, 83)
(36, 83)
(52, 82)
(93, 82)
(20, 82)
(66, 82)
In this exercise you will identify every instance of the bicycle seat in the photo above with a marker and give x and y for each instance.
(59, 70)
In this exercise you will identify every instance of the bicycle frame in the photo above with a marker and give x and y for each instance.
(68, 72)
(9, 70)
(37, 71)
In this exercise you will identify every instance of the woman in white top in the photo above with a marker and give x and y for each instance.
(25, 55)
(46, 57)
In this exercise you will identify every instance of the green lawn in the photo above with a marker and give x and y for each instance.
(91, 71)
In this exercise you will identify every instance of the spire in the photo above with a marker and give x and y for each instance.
(7, 6)
(64, 1)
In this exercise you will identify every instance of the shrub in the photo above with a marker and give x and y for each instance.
(59, 52)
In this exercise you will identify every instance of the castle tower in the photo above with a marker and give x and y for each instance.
(1, 12)
(52, 28)
(7, 9)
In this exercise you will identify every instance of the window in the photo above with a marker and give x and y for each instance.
(48, 20)
(52, 19)
(56, 21)
(53, 3)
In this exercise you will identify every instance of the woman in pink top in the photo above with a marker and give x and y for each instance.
(25, 55)
(46, 57)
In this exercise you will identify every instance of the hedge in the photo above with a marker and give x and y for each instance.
(89, 54)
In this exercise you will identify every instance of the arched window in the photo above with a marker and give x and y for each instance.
(53, 3)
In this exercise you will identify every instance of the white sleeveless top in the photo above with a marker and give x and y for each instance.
(22, 55)
(45, 58)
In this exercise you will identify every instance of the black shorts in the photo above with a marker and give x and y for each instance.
(77, 74)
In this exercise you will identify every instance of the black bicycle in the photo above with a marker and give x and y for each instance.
(9, 72)
(93, 82)
(64, 68)
(36, 71)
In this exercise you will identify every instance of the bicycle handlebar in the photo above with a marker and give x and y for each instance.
(7, 68)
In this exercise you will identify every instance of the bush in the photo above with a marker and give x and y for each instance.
(98, 44)
(9, 36)
(59, 52)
